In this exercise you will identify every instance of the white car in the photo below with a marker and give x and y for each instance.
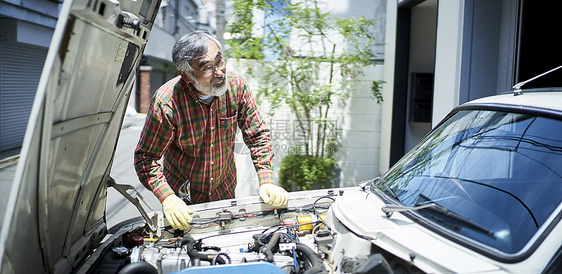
(480, 193)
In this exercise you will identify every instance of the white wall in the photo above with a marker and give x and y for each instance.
(361, 124)
(388, 87)
(448, 58)
(359, 118)
(369, 9)
(448, 51)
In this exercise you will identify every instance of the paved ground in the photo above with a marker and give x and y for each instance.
(8, 163)
(123, 172)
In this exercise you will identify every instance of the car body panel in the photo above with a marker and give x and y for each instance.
(539, 98)
(403, 237)
(55, 222)
(545, 245)
(56, 210)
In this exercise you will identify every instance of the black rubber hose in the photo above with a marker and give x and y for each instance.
(273, 241)
(267, 249)
(193, 251)
(218, 256)
(312, 257)
(268, 254)
(138, 268)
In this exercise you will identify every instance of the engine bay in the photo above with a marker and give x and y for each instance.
(247, 237)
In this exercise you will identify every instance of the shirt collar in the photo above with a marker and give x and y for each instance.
(206, 98)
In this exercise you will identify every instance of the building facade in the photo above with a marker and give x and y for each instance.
(440, 54)
(357, 117)
(26, 27)
(175, 18)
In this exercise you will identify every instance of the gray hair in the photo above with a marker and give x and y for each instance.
(190, 47)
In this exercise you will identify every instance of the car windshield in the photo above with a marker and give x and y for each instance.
(499, 170)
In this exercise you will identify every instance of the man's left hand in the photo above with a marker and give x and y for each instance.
(273, 195)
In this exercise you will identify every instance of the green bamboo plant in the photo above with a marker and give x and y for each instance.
(314, 58)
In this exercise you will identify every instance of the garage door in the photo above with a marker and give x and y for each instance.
(20, 70)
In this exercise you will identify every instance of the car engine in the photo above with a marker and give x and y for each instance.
(246, 238)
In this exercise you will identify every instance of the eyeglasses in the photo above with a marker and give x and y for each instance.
(210, 69)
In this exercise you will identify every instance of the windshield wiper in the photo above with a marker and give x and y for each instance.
(389, 209)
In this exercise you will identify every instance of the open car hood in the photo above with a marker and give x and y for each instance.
(56, 213)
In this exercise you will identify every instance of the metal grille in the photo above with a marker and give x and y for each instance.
(20, 70)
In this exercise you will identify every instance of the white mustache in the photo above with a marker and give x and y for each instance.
(218, 79)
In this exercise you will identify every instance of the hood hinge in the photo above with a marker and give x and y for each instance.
(152, 223)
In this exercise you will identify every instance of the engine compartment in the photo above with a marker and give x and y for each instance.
(304, 237)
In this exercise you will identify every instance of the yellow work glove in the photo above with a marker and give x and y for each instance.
(176, 212)
(273, 195)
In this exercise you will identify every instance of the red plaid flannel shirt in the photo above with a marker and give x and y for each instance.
(196, 140)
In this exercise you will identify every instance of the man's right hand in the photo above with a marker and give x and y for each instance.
(176, 211)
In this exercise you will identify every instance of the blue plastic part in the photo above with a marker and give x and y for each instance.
(257, 267)
(295, 259)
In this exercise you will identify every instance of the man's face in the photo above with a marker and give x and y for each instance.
(208, 84)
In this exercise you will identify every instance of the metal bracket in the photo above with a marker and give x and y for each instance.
(152, 223)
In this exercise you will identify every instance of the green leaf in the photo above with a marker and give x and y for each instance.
(314, 72)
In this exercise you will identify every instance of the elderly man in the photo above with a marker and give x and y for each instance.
(191, 126)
